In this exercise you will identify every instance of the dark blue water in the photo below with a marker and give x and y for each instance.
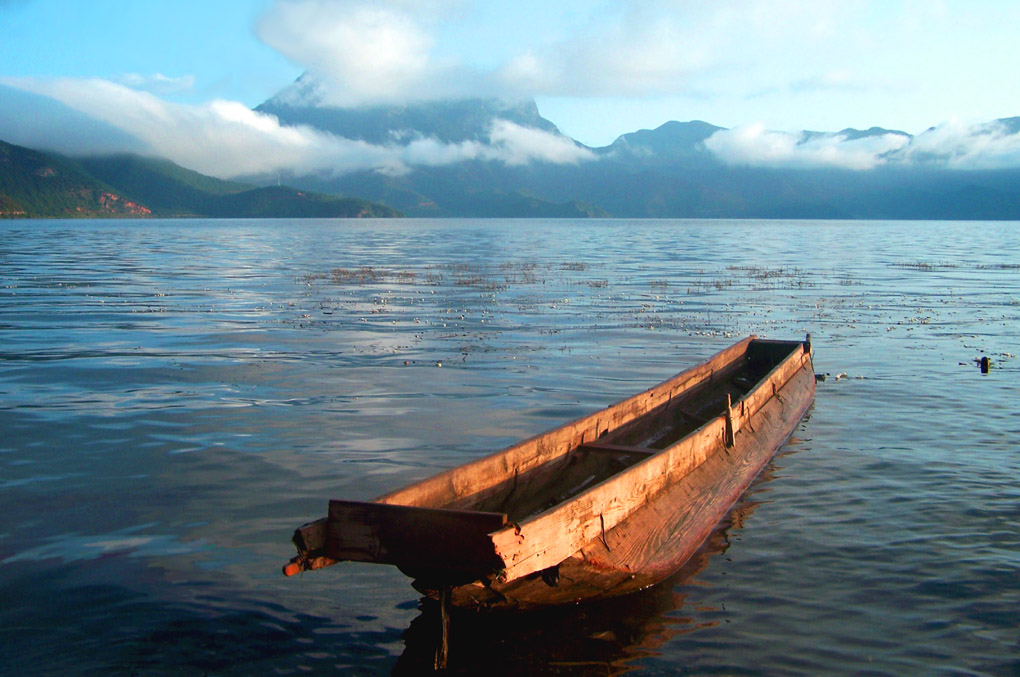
(176, 397)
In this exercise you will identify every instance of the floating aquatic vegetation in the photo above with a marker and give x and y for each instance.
(924, 265)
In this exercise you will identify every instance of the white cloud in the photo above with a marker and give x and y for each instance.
(391, 51)
(362, 51)
(371, 51)
(509, 143)
(956, 145)
(158, 83)
(633, 48)
(517, 145)
(227, 139)
(756, 146)
(40, 122)
(950, 145)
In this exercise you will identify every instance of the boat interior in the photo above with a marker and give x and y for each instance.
(589, 463)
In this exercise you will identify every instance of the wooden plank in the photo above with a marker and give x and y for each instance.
(415, 539)
(730, 429)
(456, 483)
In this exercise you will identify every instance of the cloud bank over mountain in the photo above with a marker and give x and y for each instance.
(955, 145)
(755, 146)
(38, 121)
(950, 145)
(228, 139)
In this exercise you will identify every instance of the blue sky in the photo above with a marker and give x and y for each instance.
(597, 69)
(212, 41)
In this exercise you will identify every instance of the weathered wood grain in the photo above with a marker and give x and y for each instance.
(553, 536)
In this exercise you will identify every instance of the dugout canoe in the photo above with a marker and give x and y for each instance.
(605, 505)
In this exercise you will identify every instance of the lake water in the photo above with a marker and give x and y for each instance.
(177, 396)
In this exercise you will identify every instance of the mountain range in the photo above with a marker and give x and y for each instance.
(37, 184)
(677, 170)
(667, 172)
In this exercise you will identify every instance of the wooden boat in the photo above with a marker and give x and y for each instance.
(605, 505)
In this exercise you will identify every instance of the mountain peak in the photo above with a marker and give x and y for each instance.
(448, 120)
(1011, 125)
(851, 134)
(673, 140)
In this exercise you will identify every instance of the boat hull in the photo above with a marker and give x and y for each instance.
(608, 504)
(660, 537)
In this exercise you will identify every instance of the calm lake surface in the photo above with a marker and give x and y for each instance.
(177, 396)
